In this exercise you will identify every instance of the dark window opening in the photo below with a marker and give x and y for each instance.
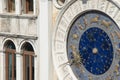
(28, 61)
(11, 5)
(10, 60)
(29, 6)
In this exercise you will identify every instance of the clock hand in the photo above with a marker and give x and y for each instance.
(77, 59)
(89, 47)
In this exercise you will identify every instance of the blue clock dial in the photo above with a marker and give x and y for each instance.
(93, 45)
(96, 50)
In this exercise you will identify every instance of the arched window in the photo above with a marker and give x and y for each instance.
(10, 60)
(28, 61)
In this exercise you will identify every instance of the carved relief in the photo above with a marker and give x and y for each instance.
(59, 46)
(61, 59)
(68, 77)
(64, 71)
(76, 8)
(112, 9)
(84, 6)
(102, 5)
(93, 4)
(68, 15)
(117, 18)
(60, 35)
(63, 24)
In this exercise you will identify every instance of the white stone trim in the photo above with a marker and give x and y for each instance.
(6, 39)
(2, 73)
(43, 40)
(29, 41)
(18, 6)
(1, 6)
(19, 68)
(20, 58)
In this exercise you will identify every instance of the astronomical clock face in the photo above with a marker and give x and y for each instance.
(87, 46)
(90, 38)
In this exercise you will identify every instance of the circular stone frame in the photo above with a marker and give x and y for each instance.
(68, 15)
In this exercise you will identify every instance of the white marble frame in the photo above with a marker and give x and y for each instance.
(110, 7)
(20, 60)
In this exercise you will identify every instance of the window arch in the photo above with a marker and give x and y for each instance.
(10, 60)
(28, 61)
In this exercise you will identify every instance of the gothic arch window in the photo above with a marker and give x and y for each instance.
(10, 60)
(28, 61)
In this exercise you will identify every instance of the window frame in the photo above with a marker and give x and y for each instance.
(7, 53)
(30, 54)
(9, 6)
(25, 7)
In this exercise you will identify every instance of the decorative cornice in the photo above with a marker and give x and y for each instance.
(18, 36)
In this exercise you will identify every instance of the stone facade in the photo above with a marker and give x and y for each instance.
(38, 29)
(20, 28)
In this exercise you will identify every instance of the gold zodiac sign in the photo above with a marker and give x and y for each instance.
(75, 36)
(118, 50)
(77, 60)
(108, 78)
(116, 69)
(118, 34)
(85, 21)
(73, 48)
(95, 19)
(112, 35)
(106, 23)
(81, 27)
(90, 77)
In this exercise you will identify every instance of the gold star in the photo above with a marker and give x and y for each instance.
(75, 36)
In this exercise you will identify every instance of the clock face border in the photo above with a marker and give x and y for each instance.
(80, 32)
(64, 22)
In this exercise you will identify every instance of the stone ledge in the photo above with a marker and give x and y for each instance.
(22, 16)
(18, 36)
